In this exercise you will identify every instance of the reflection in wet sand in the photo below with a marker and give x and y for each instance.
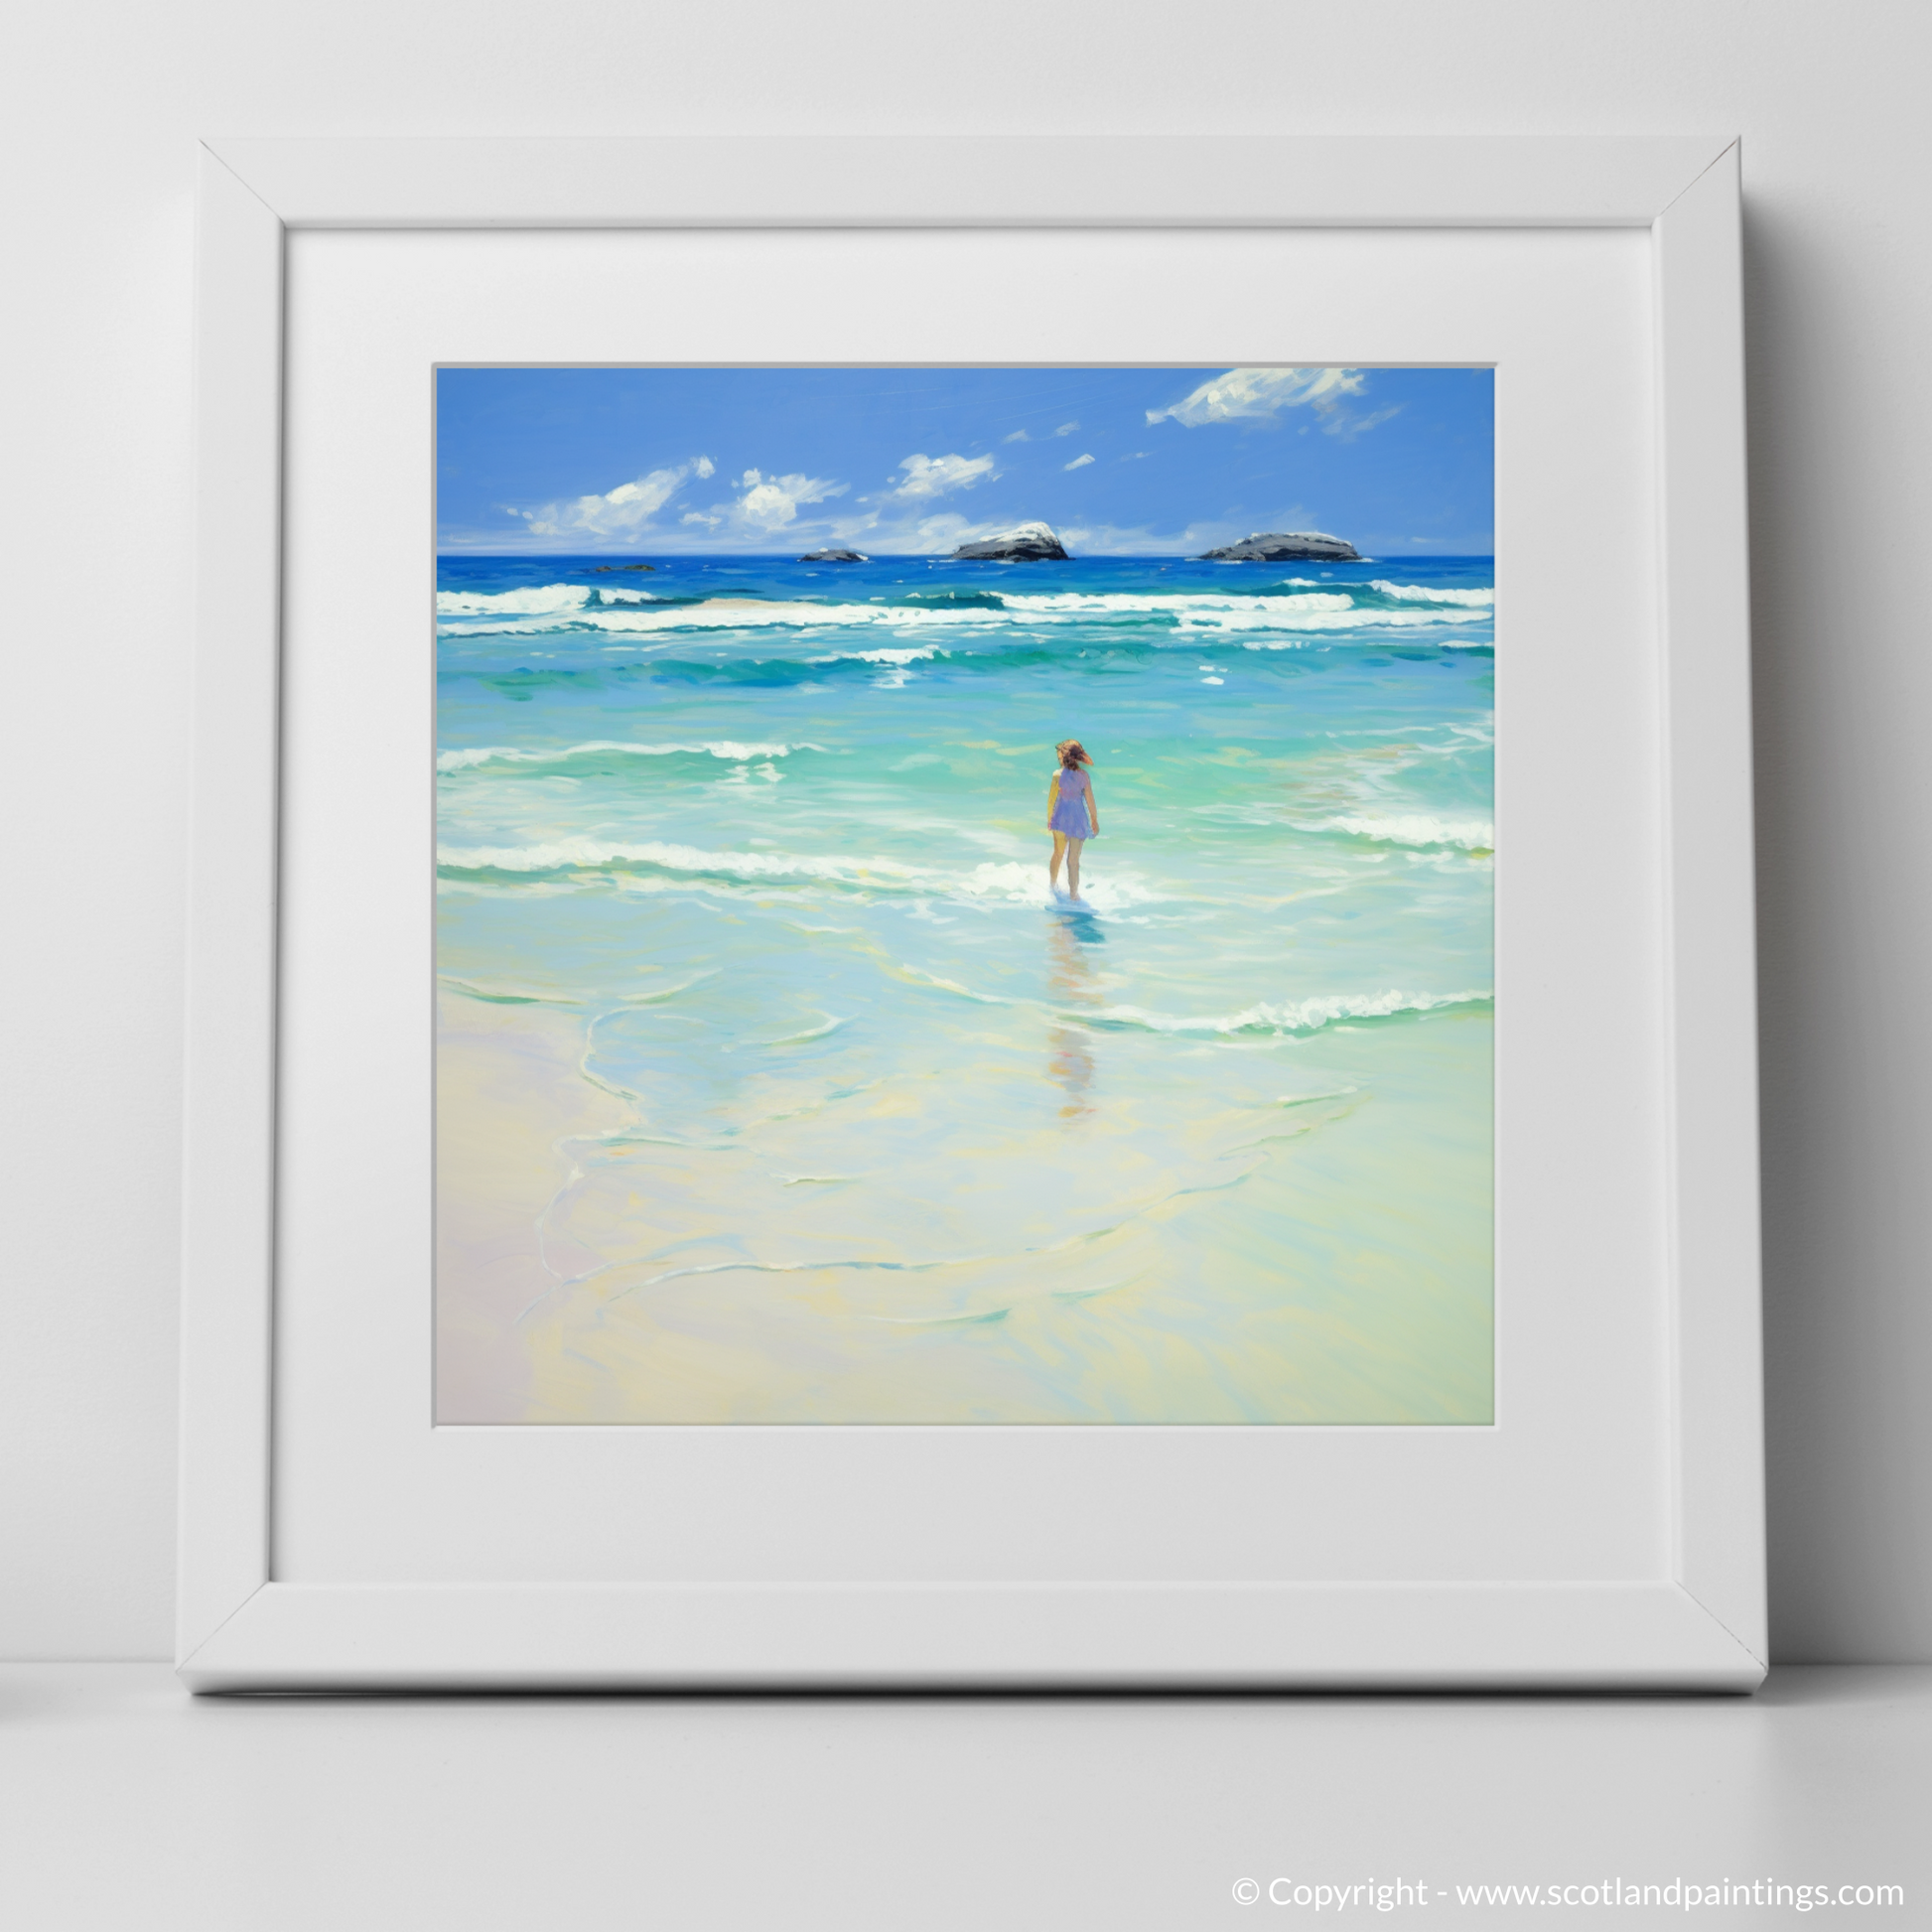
(1071, 981)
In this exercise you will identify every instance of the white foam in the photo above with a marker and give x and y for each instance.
(561, 855)
(1295, 1015)
(570, 606)
(751, 614)
(1387, 616)
(1025, 885)
(1011, 882)
(549, 601)
(1176, 605)
(911, 656)
(724, 747)
(1415, 828)
(1422, 594)
(1271, 618)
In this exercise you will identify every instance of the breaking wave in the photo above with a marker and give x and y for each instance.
(1089, 603)
(1414, 828)
(1011, 882)
(469, 757)
(1425, 593)
(1290, 1016)
(565, 607)
(550, 599)
(911, 656)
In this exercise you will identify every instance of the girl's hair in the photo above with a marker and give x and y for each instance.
(1072, 752)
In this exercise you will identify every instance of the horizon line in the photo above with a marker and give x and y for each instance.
(947, 557)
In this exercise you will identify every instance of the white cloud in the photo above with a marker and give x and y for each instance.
(1018, 435)
(624, 511)
(933, 475)
(914, 534)
(771, 503)
(1066, 429)
(935, 535)
(1133, 456)
(1346, 425)
(1254, 393)
(1079, 462)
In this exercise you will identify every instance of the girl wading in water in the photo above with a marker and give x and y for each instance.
(1072, 814)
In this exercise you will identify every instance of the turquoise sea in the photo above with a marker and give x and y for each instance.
(894, 1134)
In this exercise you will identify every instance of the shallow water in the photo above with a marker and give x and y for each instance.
(907, 1138)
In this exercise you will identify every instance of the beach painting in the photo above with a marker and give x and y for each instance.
(964, 895)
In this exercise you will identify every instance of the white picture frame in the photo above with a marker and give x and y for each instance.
(1697, 1622)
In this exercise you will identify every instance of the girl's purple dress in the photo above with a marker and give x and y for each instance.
(1071, 805)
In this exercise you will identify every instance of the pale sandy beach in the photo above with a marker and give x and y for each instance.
(510, 1104)
(590, 1275)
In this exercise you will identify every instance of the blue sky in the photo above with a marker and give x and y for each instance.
(1152, 461)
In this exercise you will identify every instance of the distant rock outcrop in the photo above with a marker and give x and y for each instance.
(835, 557)
(1029, 543)
(598, 570)
(1290, 547)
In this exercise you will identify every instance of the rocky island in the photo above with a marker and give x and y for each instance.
(1293, 546)
(1027, 544)
(834, 557)
(598, 570)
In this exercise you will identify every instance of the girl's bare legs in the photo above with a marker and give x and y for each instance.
(1059, 853)
(1073, 866)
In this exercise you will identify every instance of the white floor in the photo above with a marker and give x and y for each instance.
(125, 1804)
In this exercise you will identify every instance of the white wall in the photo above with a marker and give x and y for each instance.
(102, 112)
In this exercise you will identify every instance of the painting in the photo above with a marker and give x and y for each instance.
(964, 895)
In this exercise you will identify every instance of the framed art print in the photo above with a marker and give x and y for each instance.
(994, 949)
